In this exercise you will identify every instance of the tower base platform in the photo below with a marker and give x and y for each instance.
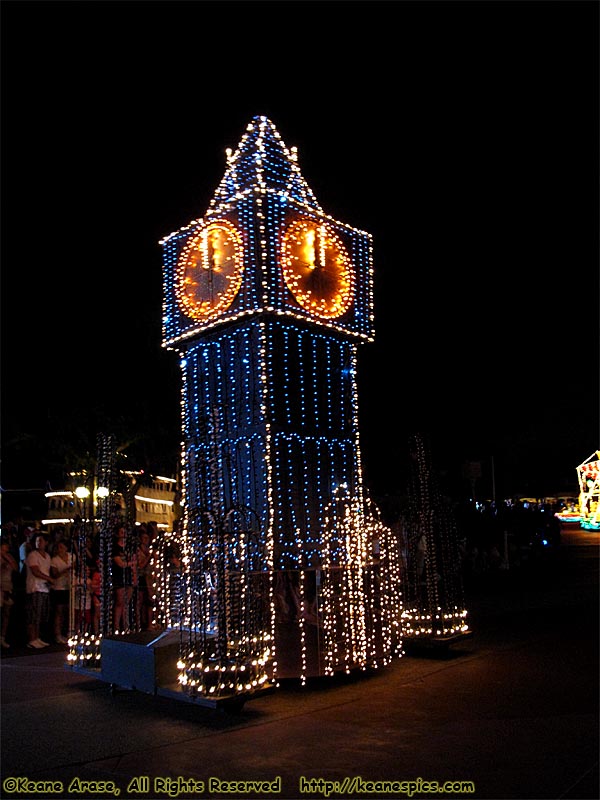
(147, 662)
(436, 643)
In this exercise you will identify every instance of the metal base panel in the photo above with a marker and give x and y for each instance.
(147, 662)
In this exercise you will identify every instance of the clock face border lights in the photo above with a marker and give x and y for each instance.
(210, 270)
(317, 268)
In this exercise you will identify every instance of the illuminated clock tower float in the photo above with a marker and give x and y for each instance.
(288, 570)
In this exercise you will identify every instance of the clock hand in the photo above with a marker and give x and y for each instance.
(318, 255)
(211, 276)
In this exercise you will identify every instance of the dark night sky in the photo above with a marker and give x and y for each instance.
(463, 136)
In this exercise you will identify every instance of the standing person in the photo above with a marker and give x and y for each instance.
(37, 587)
(83, 596)
(97, 589)
(171, 597)
(60, 570)
(153, 532)
(8, 568)
(25, 547)
(123, 567)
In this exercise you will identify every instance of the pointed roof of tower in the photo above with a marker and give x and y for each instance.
(262, 159)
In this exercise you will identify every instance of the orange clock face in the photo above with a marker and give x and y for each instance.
(210, 270)
(317, 268)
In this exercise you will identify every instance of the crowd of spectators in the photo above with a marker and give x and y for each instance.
(505, 535)
(51, 583)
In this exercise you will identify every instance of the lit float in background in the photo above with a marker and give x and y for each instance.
(588, 474)
(569, 514)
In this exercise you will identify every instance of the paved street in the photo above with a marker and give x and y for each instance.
(514, 709)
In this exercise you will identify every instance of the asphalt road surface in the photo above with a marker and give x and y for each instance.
(512, 711)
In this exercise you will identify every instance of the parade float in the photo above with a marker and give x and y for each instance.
(282, 567)
(588, 475)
